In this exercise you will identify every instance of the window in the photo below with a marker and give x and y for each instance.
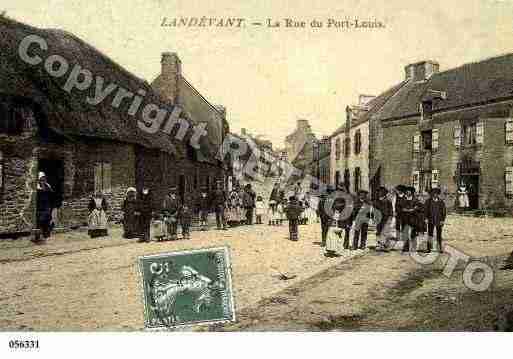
(357, 142)
(473, 133)
(508, 177)
(457, 135)
(426, 110)
(347, 179)
(337, 149)
(434, 140)
(416, 143)
(12, 119)
(337, 178)
(102, 177)
(435, 179)
(357, 179)
(508, 129)
(347, 147)
(415, 181)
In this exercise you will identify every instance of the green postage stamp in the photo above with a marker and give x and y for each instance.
(187, 287)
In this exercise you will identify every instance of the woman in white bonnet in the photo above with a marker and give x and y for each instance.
(97, 220)
(44, 206)
(463, 201)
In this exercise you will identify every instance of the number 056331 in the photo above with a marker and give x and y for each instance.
(23, 344)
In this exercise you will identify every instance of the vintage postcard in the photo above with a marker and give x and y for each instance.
(187, 287)
(256, 166)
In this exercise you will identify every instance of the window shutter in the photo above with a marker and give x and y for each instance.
(434, 141)
(457, 135)
(480, 132)
(416, 142)
(509, 130)
(1, 171)
(508, 176)
(97, 177)
(415, 180)
(106, 178)
(435, 175)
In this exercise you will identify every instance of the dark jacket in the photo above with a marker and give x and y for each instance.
(45, 203)
(384, 206)
(172, 206)
(435, 211)
(145, 205)
(399, 203)
(203, 203)
(361, 211)
(275, 195)
(248, 199)
(293, 210)
(186, 215)
(325, 208)
(218, 197)
(410, 209)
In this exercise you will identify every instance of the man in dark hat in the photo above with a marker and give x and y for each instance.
(435, 213)
(326, 212)
(409, 224)
(399, 197)
(219, 198)
(383, 211)
(361, 214)
(171, 208)
(293, 211)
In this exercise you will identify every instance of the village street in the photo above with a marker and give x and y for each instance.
(78, 283)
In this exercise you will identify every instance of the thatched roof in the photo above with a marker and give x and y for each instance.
(69, 113)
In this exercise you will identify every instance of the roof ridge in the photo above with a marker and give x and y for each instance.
(467, 64)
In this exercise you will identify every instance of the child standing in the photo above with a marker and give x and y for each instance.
(260, 209)
(293, 211)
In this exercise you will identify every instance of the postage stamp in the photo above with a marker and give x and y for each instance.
(187, 288)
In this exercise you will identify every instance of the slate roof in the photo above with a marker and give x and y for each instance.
(470, 84)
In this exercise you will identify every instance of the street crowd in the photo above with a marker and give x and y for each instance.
(398, 214)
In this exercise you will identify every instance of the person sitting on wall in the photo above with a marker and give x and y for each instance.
(130, 218)
(44, 206)
(97, 220)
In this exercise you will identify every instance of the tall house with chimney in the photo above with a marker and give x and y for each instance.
(450, 128)
(300, 146)
(202, 171)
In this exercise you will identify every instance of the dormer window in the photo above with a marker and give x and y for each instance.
(426, 110)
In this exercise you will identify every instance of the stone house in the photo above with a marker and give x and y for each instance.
(445, 128)
(352, 145)
(82, 148)
(299, 147)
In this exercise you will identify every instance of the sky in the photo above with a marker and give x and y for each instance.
(269, 77)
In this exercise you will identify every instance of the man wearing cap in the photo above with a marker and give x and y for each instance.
(361, 214)
(409, 224)
(219, 202)
(293, 211)
(171, 211)
(326, 212)
(435, 213)
(383, 212)
(44, 205)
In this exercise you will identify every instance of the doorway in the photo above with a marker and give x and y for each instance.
(181, 186)
(472, 184)
(54, 171)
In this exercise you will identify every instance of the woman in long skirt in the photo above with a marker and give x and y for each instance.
(44, 207)
(130, 214)
(145, 210)
(97, 221)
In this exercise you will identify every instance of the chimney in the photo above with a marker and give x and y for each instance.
(421, 71)
(365, 99)
(222, 110)
(171, 70)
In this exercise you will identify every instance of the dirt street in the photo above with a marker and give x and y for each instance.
(77, 283)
